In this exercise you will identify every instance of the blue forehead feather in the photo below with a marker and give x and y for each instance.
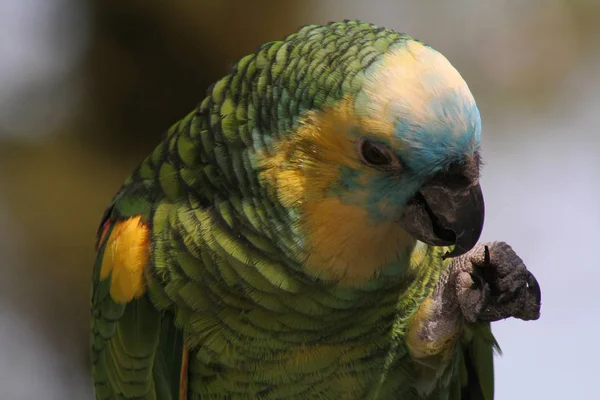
(453, 132)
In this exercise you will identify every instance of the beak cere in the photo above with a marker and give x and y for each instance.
(442, 216)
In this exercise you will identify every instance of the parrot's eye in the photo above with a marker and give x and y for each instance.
(375, 154)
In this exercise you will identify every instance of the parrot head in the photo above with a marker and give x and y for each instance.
(394, 163)
(431, 154)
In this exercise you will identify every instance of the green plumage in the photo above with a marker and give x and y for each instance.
(225, 274)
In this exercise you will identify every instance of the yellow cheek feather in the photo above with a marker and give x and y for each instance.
(124, 260)
(345, 245)
(341, 243)
(303, 166)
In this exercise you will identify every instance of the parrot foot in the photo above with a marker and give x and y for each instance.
(492, 283)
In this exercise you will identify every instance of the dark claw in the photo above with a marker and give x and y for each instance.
(486, 255)
(478, 279)
(486, 292)
(534, 287)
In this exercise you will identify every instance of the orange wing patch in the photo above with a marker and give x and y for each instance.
(125, 257)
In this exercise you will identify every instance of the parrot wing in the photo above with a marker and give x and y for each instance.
(136, 350)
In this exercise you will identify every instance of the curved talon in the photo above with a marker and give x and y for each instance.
(534, 287)
(486, 255)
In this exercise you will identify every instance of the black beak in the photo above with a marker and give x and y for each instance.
(442, 216)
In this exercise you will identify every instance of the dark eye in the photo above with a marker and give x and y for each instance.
(375, 154)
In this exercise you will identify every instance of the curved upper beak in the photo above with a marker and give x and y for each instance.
(442, 216)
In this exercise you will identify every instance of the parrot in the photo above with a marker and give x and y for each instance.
(309, 231)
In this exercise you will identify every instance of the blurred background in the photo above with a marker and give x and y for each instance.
(88, 87)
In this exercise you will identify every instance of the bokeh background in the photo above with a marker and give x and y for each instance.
(88, 87)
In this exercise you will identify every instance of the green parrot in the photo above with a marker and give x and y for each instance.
(310, 231)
